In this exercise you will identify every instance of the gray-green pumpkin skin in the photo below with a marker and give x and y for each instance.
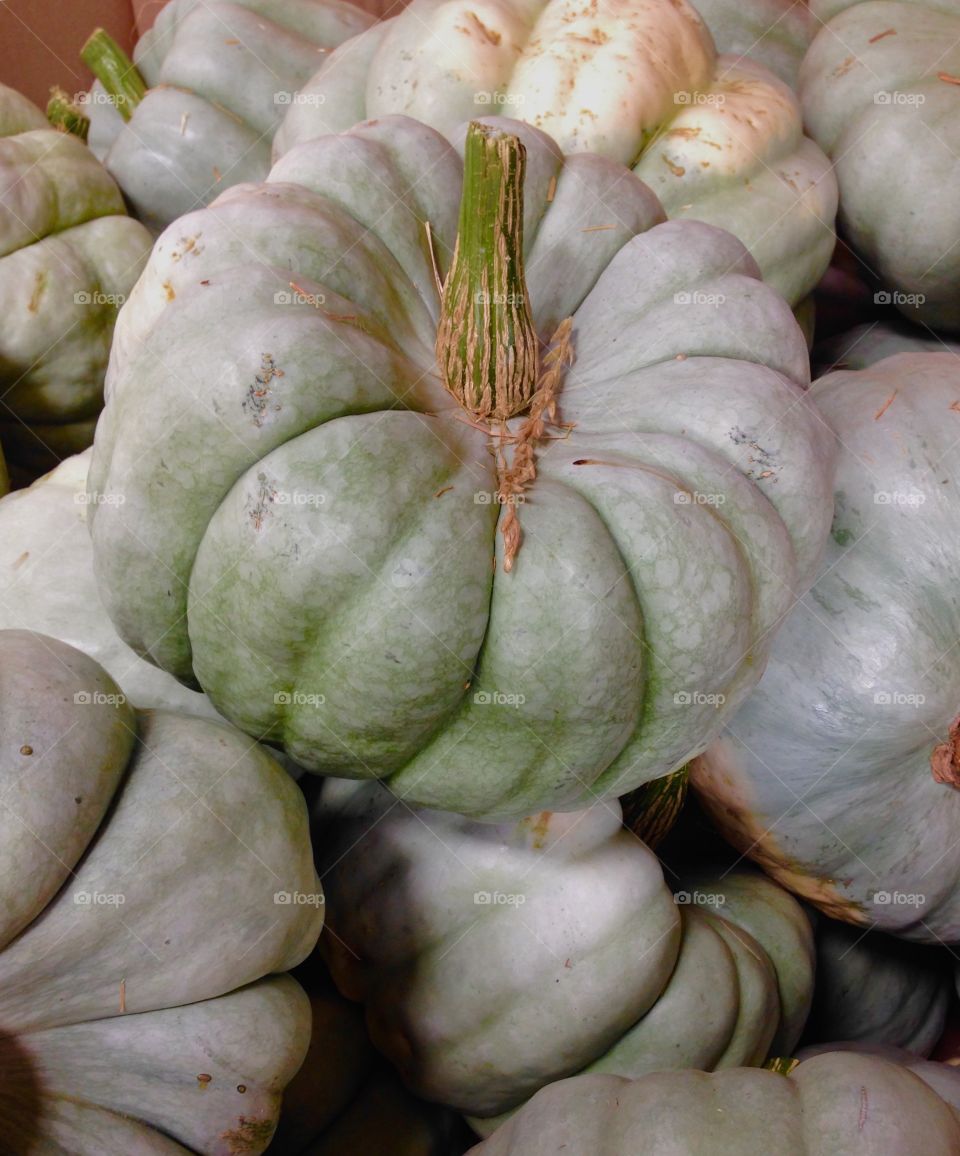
(47, 585)
(874, 989)
(873, 341)
(220, 78)
(880, 96)
(776, 33)
(69, 255)
(718, 139)
(836, 1104)
(858, 704)
(345, 526)
(141, 859)
(609, 971)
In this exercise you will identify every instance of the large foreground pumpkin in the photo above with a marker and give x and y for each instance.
(880, 89)
(69, 255)
(840, 775)
(608, 970)
(327, 512)
(717, 139)
(835, 1104)
(141, 857)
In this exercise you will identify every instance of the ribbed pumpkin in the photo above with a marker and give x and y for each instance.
(880, 89)
(141, 857)
(327, 497)
(196, 109)
(839, 775)
(608, 971)
(835, 1104)
(718, 139)
(69, 255)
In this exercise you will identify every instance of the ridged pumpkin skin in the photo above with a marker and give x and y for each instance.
(880, 95)
(836, 1104)
(69, 255)
(775, 33)
(873, 341)
(875, 989)
(220, 78)
(346, 1100)
(309, 481)
(47, 585)
(826, 775)
(717, 139)
(607, 970)
(140, 856)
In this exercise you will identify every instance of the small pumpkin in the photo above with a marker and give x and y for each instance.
(855, 719)
(319, 470)
(141, 857)
(835, 1104)
(880, 89)
(69, 255)
(875, 989)
(718, 139)
(196, 109)
(609, 971)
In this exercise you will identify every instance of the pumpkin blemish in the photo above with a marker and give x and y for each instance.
(26, 749)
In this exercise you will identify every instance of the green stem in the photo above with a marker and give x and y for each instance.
(65, 116)
(487, 347)
(651, 811)
(115, 71)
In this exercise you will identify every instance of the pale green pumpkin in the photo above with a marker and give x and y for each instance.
(880, 89)
(328, 512)
(210, 86)
(835, 1104)
(607, 970)
(140, 860)
(718, 139)
(47, 585)
(69, 255)
(839, 775)
(873, 341)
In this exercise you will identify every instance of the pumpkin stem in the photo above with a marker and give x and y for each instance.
(64, 116)
(115, 71)
(487, 347)
(945, 758)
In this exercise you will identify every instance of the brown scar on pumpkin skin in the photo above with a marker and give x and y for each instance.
(947, 78)
(539, 826)
(945, 757)
(886, 405)
(864, 1105)
(248, 1136)
(39, 285)
(881, 35)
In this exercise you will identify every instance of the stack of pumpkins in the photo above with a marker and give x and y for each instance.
(448, 548)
